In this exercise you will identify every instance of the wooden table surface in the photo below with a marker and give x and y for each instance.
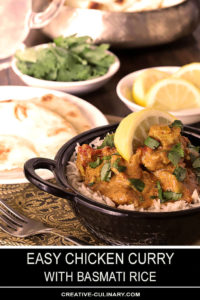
(177, 53)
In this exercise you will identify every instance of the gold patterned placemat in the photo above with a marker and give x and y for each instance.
(52, 211)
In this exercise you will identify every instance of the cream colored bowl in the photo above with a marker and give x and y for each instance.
(124, 92)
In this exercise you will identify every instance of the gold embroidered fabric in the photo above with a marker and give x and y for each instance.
(52, 211)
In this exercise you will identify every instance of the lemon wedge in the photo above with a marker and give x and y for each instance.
(173, 94)
(190, 72)
(143, 83)
(133, 129)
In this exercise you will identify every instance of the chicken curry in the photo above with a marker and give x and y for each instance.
(165, 167)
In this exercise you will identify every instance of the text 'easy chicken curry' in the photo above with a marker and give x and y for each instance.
(165, 168)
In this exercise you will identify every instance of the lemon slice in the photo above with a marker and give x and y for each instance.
(190, 72)
(143, 83)
(133, 129)
(173, 94)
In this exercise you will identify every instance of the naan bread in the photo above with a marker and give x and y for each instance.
(47, 130)
(36, 127)
(67, 110)
(14, 151)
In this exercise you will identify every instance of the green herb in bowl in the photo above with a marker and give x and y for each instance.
(66, 59)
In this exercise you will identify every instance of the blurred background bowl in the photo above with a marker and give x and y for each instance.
(126, 29)
(124, 92)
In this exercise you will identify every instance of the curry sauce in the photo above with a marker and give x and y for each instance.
(166, 168)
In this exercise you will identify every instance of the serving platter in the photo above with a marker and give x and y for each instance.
(93, 115)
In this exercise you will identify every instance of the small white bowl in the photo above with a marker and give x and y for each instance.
(124, 92)
(73, 87)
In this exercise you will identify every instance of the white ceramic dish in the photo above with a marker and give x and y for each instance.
(75, 87)
(93, 115)
(124, 92)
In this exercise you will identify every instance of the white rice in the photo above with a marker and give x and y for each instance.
(76, 181)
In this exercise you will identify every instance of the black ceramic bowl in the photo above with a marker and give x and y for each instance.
(115, 226)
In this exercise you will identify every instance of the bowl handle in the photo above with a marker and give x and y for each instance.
(44, 163)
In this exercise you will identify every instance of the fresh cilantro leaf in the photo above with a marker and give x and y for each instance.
(193, 148)
(137, 183)
(108, 141)
(72, 40)
(180, 173)
(160, 196)
(175, 154)
(106, 157)
(165, 196)
(106, 172)
(154, 197)
(151, 142)
(117, 166)
(67, 59)
(95, 163)
(177, 123)
(196, 163)
(169, 195)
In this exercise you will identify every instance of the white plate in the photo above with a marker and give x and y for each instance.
(124, 92)
(93, 115)
(75, 87)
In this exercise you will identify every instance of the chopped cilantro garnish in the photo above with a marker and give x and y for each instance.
(193, 152)
(153, 197)
(177, 123)
(169, 195)
(197, 171)
(196, 163)
(180, 173)
(91, 183)
(95, 163)
(106, 172)
(137, 183)
(160, 196)
(165, 196)
(151, 142)
(193, 148)
(117, 166)
(175, 154)
(106, 157)
(108, 141)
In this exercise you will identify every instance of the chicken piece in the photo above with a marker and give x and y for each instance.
(118, 191)
(150, 189)
(166, 135)
(134, 169)
(106, 151)
(154, 159)
(92, 175)
(84, 156)
(168, 181)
